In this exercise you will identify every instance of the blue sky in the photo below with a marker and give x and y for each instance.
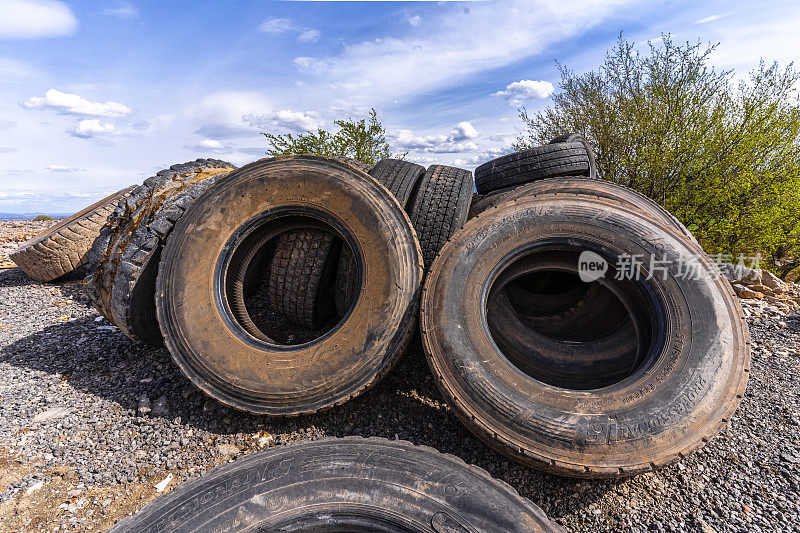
(95, 96)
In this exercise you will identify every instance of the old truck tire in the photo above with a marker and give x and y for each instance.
(65, 246)
(581, 185)
(440, 207)
(302, 275)
(577, 137)
(689, 377)
(306, 300)
(399, 176)
(125, 256)
(350, 484)
(540, 162)
(204, 317)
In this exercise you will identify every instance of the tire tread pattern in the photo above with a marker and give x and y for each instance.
(65, 246)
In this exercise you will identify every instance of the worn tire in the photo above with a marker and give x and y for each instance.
(65, 246)
(548, 161)
(577, 137)
(348, 484)
(301, 276)
(686, 387)
(440, 207)
(308, 304)
(583, 186)
(214, 341)
(401, 178)
(125, 256)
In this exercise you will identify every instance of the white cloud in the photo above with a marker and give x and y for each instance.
(463, 130)
(457, 142)
(309, 36)
(276, 26)
(519, 92)
(467, 42)
(712, 18)
(482, 157)
(414, 21)
(283, 25)
(62, 168)
(72, 104)
(286, 119)
(88, 128)
(122, 10)
(35, 19)
(206, 146)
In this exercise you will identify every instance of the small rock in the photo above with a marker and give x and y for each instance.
(160, 407)
(228, 450)
(144, 405)
(743, 292)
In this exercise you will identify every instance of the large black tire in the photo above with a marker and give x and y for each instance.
(125, 256)
(298, 284)
(350, 484)
(301, 276)
(548, 161)
(399, 176)
(65, 246)
(689, 376)
(578, 138)
(200, 301)
(583, 186)
(440, 207)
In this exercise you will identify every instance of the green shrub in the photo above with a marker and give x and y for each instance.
(364, 140)
(722, 155)
(43, 217)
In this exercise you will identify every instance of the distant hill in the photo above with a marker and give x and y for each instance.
(27, 216)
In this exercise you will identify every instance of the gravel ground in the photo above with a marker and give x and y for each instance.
(93, 421)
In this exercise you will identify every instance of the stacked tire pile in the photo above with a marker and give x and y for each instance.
(293, 284)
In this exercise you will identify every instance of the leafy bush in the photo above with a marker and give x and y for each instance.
(43, 217)
(722, 153)
(363, 139)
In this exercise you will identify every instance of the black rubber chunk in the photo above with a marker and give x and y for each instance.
(548, 161)
(440, 207)
(350, 484)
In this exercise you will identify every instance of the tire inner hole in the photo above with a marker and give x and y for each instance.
(269, 306)
(563, 331)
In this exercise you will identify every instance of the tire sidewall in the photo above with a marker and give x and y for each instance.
(622, 428)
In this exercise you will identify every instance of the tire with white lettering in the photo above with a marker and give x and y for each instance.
(64, 246)
(350, 484)
(216, 336)
(686, 378)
